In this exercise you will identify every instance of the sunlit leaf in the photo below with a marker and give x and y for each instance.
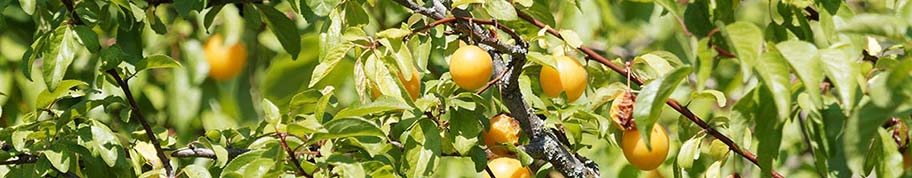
(652, 97)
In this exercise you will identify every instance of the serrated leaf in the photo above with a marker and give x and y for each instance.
(774, 72)
(347, 127)
(59, 56)
(747, 41)
(500, 9)
(803, 55)
(196, 171)
(157, 61)
(329, 62)
(283, 28)
(653, 95)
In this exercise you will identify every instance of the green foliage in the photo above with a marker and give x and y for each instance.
(807, 85)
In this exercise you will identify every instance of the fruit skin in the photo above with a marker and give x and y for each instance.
(636, 152)
(504, 129)
(412, 85)
(471, 67)
(224, 62)
(569, 77)
(505, 167)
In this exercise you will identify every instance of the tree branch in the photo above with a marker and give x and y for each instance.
(670, 102)
(21, 159)
(294, 157)
(544, 145)
(139, 116)
(193, 152)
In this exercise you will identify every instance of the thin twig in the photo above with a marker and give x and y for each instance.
(291, 154)
(492, 82)
(670, 102)
(722, 52)
(74, 18)
(137, 113)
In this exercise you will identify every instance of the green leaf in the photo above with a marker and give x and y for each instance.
(460, 3)
(347, 127)
(803, 57)
(157, 61)
(843, 71)
(111, 57)
(221, 155)
(237, 165)
(184, 7)
(714, 94)
(456, 167)
(100, 140)
(88, 37)
(60, 157)
(571, 38)
(541, 59)
(659, 64)
(283, 28)
(876, 24)
(774, 72)
(500, 9)
(382, 104)
(649, 101)
(393, 33)
(59, 56)
(196, 171)
(271, 112)
(747, 40)
(689, 152)
(28, 6)
(464, 133)
(329, 62)
(423, 149)
(322, 7)
(46, 97)
(770, 129)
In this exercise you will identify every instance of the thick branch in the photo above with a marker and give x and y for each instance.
(670, 102)
(139, 116)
